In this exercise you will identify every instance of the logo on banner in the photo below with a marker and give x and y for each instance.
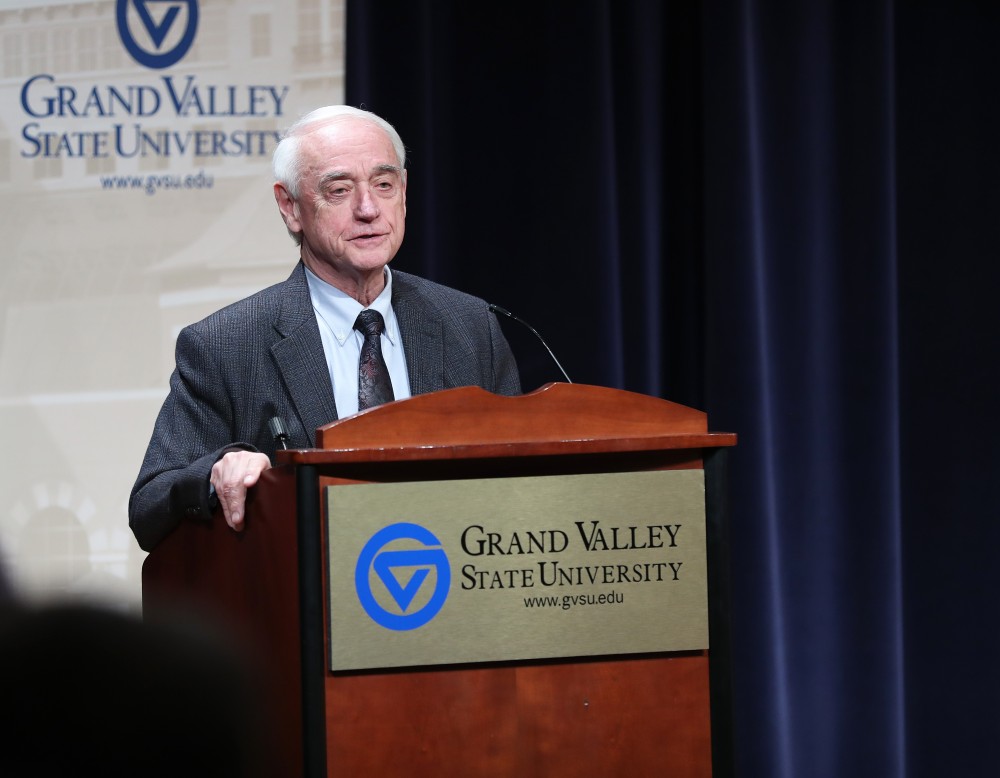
(157, 33)
(411, 572)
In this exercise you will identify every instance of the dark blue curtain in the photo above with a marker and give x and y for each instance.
(788, 215)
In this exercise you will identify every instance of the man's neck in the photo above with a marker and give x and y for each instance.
(363, 288)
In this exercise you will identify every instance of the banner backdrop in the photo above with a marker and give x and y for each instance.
(135, 143)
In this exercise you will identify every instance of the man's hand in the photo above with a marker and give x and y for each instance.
(231, 476)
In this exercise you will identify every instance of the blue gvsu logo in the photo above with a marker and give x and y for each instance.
(409, 595)
(157, 33)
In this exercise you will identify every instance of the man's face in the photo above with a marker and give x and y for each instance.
(351, 208)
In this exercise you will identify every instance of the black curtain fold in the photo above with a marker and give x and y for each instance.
(948, 197)
(786, 215)
(801, 268)
(501, 109)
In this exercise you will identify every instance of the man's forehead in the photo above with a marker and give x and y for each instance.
(352, 132)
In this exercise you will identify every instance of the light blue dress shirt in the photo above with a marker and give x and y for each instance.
(336, 313)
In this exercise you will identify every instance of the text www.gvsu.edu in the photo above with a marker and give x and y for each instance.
(151, 184)
(568, 601)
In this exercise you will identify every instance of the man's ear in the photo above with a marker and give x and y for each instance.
(286, 205)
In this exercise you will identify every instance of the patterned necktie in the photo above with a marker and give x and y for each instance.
(374, 386)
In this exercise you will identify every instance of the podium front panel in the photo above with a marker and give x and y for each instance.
(503, 569)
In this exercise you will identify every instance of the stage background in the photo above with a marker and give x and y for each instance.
(110, 247)
(785, 214)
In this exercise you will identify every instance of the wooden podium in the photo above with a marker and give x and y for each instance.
(660, 713)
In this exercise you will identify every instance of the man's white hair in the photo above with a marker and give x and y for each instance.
(286, 160)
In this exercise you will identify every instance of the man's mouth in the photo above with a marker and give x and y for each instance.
(368, 237)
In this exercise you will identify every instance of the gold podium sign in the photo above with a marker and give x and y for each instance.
(500, 569)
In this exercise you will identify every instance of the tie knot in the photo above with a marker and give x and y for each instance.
(369, 322)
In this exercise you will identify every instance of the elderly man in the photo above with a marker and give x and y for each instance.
(341, 334)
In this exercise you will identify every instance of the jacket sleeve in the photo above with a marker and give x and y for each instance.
(507, 379)
(192, 431)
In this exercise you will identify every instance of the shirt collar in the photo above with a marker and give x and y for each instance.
(339, 310)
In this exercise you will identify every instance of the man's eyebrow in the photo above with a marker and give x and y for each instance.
(386, 168)
(333, 175)
(343, 175)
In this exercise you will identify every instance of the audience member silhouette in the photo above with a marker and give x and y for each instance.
(87, 690)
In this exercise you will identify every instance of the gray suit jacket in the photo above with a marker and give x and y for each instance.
(263, 357)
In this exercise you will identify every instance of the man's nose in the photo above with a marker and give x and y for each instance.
(365, 206)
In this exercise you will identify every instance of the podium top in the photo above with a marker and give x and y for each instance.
(557, 418)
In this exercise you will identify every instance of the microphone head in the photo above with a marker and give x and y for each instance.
(277, 428)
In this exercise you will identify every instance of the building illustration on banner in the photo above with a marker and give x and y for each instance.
(135, 143)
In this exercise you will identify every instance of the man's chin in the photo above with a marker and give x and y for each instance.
(370, 258)
(370, 262)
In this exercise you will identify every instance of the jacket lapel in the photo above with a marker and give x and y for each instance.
(300, 358)
(423, 337)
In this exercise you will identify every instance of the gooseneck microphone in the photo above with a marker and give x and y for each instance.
(509, 315)
(278, 432)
